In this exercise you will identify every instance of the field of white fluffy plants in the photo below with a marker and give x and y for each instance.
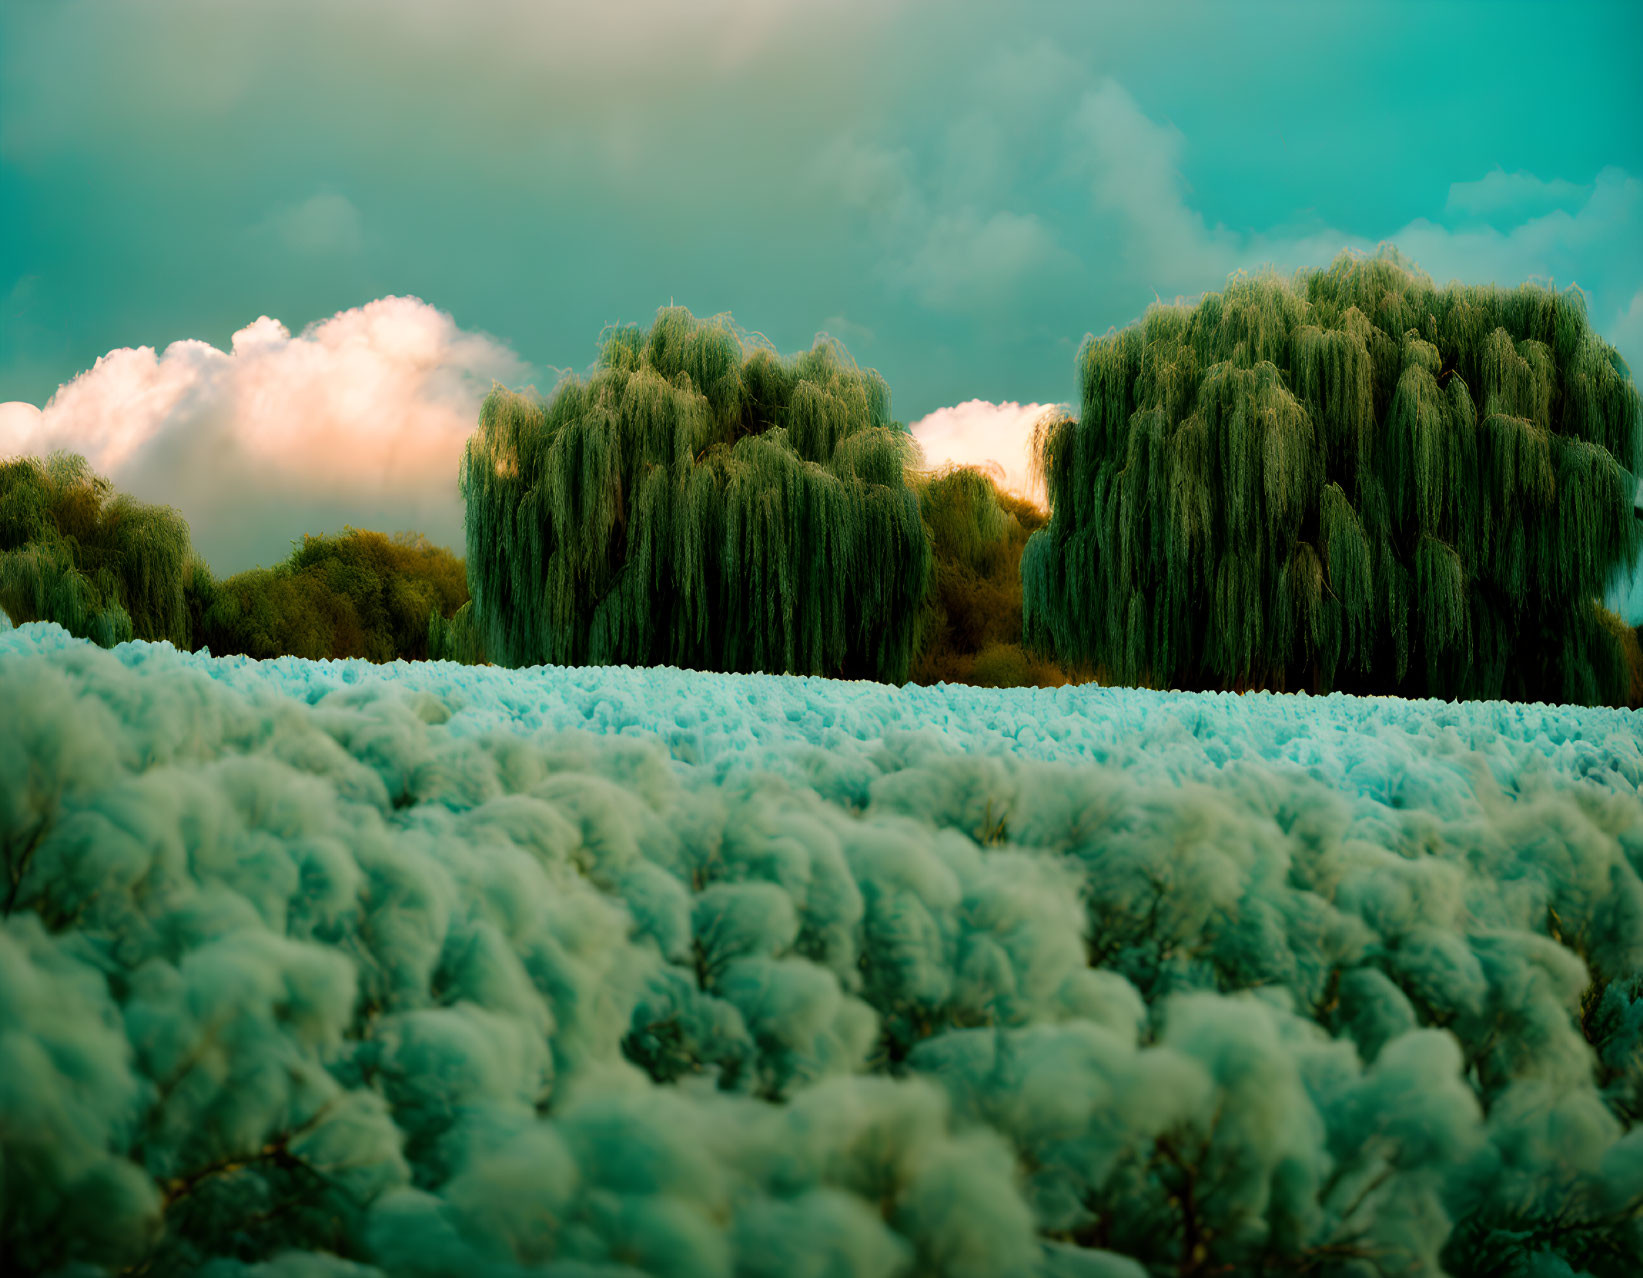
(322, 968)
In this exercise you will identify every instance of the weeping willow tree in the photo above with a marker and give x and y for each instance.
(697, 501)
(1352, 480)
(100, 564)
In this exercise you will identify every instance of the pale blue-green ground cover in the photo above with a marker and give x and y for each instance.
(600, 971)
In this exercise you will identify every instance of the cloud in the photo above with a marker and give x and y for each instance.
(1133, 165)
(322, 225)
(871, 179)
(948, 253)
(1134, 168)
(20, 429)
(947, 239)
(1559, 244)
(968, 262)
(1113, 219)
(995, 437)
(1515, 193)
(1627, 332)
(849, 332)
(398, 51)
(949, 242)
(954, 242)
(360, 418)
(1626, 594)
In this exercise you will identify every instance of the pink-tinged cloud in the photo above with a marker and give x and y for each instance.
(359, 419)
(20, 430)
(998, 438)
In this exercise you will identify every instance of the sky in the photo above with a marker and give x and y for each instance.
(958, 191)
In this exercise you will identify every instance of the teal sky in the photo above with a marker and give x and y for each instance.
(960, 191)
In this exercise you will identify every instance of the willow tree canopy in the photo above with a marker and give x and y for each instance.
(1349, 479)
(100, 564)
(698, 501)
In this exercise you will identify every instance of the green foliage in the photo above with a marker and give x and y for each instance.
(697, 502)
(1350, 480)
(101, 565)
(366, 983)
(1633, 646)
(970, 625)
(359, 594)
(456, 638)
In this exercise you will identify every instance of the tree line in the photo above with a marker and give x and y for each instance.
(109, 568)
(1345, 480)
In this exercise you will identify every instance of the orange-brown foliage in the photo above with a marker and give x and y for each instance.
(361, 594)
(972, 616)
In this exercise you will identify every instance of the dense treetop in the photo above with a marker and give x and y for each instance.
(101, 564)
(1350, 479)
(358, 594)
(698, 501)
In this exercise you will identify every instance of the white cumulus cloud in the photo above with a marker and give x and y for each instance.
(996, 438)
(360, 418)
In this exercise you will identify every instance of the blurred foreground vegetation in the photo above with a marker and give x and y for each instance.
(303, 977)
